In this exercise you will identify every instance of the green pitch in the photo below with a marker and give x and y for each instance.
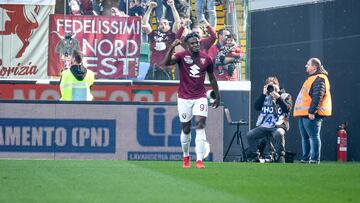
(89, 181)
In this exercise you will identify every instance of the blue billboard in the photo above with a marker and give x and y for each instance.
(57, 135)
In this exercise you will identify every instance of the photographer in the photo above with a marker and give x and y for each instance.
(275, 105)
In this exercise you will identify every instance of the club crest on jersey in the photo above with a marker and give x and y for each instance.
(202, 61)
(183, 115)
(188, 60)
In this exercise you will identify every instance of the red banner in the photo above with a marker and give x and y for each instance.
(110, 45)
(117, 92)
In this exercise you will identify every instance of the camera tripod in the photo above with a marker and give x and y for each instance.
(236, 135)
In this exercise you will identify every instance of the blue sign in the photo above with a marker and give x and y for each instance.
(57, 135)
(152, 132)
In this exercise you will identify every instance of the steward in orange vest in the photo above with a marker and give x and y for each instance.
(314, 96)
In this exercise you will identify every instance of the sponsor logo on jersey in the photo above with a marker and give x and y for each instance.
(188, 60)
(194, 71)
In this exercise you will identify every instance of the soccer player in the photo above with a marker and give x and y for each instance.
(192, 101)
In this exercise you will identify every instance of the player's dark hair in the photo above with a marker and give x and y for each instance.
(191, 35)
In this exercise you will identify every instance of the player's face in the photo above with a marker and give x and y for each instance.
(194, 44)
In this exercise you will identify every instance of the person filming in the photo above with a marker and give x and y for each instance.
(274, 105)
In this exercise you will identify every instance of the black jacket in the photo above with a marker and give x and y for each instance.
(78, 71)
(317, 90)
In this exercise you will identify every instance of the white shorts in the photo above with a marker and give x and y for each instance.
(188, 108)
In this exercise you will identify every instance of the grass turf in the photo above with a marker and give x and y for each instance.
(146, 181)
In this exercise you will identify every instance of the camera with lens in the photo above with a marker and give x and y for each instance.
(270, 89)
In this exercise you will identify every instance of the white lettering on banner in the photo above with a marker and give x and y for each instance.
(84, 133)
(34, 136)
(98, 137)
(112, 53)
(112, 67)
(48, 133)
(87, 61)
(60, 136)
(98, 27)
(25, 136)
(12, 136)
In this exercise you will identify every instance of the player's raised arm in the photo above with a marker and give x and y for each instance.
(170, 59)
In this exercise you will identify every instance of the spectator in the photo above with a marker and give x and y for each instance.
(87, 8)
(221, 40)
(136, 8)
(76, 81)
(74, 7)
(159, 10)
(275, 105)
(160, 40)
(98, 7)
(122, 6)
(313, 104)
(205, 41)
(182, 7)
(80, 7)
(210, 6)
(116, 12)
(227, 59)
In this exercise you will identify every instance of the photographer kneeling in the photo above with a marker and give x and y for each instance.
(275, 105)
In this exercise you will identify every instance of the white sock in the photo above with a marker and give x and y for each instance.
(185, 143)
(200, 144)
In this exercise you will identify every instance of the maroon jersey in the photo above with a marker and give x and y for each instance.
(192, 74)
(159, 44)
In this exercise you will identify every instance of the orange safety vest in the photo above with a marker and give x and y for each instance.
(303, 100)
